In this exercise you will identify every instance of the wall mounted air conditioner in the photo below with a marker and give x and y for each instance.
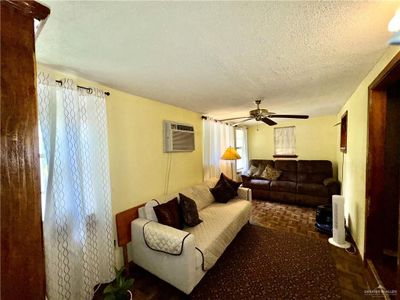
(178, 137)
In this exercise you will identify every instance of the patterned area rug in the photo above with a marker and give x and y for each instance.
(264, 263)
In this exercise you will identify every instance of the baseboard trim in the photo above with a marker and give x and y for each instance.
(373, 280)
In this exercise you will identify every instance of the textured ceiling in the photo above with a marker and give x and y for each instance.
(217, 57)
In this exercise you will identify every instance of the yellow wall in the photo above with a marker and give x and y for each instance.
(355, 160)
(135, 136)
(315, 139)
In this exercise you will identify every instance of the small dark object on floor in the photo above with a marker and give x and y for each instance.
(323, 219)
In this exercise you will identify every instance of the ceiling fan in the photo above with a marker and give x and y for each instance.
(263, 115)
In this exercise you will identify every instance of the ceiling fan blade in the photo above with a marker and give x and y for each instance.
(233, 119)
(268, 121)
(248, 119)
(289, 116)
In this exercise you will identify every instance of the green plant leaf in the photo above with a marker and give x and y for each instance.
(129, 283)
(110, 289)
(118, 273)
(110, 297)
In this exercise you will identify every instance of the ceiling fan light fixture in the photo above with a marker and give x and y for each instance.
(263, 115)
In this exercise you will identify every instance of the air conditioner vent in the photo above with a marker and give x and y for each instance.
(178, 137)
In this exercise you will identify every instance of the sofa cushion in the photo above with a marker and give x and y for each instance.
(234, 184)
(288, 168)
(221, 224)
(313, 171)
(252, 170)
(200, 193)
(261, 163)
(313, 189)
(283, 186)
(223, 191)
(189, 211)
(169, 214)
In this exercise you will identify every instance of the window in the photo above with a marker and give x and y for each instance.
(239, 142)
(285, 142)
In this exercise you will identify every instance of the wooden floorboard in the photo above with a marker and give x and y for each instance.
(351, 272)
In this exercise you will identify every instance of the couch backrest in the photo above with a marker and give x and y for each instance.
(310, 171)
(200, 193)
(288, 168)
(313, 171)
(261, 162)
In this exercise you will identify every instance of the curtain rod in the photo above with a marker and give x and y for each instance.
(90, 90)
(217, 121)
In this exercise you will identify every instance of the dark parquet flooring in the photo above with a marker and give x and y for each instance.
(290, 218)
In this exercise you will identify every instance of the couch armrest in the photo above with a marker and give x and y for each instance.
(245, 181)
(183, 266)
(162, 238)
(245, 193)
(332, 185)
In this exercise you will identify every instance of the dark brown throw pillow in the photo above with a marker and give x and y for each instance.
(234, 184)
(168, 214)
(222, 191)
(189, 211)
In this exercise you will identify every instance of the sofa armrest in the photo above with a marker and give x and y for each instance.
(332, 185)
(245, 181)
(162, 238)
(160, 263)
(245, 193)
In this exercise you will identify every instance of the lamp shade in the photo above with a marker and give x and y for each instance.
(230, 154)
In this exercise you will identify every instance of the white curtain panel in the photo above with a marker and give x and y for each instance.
(245, 151)
(285, 141)
(78, 238)
(217, 137)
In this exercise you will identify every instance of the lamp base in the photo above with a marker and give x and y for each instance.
(345, 245)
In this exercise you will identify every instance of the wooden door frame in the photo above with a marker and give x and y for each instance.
(377, 103)
(22, 255)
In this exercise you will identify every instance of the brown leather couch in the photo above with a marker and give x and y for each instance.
(303, 182)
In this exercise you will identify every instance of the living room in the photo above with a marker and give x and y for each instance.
(106, 77)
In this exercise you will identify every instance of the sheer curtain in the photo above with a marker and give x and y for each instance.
(285, 140)
(245, 151)
(217, 137)
(79, 250)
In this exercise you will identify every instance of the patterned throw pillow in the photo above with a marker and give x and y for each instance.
(189, 211)
(252, 170)
(168, 214)
(258, 172)
(271, 173)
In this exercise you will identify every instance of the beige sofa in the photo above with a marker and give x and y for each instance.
(182, 257)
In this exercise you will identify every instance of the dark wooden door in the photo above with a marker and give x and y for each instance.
(383, 164)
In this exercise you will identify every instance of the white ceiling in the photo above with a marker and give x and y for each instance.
(217, 57)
